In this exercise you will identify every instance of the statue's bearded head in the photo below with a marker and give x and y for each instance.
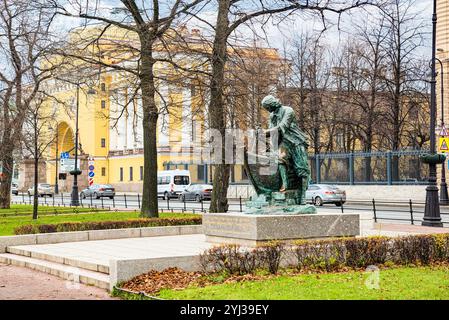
(271, 103)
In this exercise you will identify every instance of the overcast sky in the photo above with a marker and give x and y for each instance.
(274, 34)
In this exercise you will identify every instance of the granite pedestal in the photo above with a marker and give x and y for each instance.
(251, 230)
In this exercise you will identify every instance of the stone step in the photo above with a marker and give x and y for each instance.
(34, 252)
(70, 273)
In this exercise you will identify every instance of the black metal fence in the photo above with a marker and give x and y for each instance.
(410, 212)
(393, 167)
(125, 202)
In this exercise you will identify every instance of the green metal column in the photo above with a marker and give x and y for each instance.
(317, 168)
(389, 177)
(351, 169)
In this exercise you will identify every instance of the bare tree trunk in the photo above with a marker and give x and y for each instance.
(149, 123)
(36, 170)
(396, 134)
(24, 41)
(219, 202)
(7, 161)
(36, 193)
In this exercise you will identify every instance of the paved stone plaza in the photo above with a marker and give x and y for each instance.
(100, 252)
(19, 283)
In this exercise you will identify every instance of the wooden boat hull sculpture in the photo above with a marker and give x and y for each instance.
(266, 180)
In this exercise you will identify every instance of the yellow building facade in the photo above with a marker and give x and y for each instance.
(110, 129)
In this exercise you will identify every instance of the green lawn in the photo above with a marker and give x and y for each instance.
(23, 209)
(7, 224)
(397, 283)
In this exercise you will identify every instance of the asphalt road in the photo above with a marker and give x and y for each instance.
(385, 211)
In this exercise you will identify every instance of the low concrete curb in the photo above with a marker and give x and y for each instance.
(90, 235)
(123, 270)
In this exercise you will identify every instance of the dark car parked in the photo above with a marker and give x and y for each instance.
(197, 192)
(97, 191)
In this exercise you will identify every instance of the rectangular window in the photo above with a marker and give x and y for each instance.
(103, 171)
(181, 180)
(103, 104)
(121, 174)
(103, 86)
(141, 173)
(244, 176)
(193, 131)
(340, 139)
(103, 142)
(200, 173)
(163, 180)
(130, 173)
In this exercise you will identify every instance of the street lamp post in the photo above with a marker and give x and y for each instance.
(75, 201)
(444, 197)
(432, 215)
(56, 162)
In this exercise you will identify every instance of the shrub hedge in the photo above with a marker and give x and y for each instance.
(102, 225)
(329, 255)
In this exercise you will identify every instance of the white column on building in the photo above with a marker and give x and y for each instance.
(164, 118)
(187, 132)
(113, 134)
(121, 125)
(125, 120)
(138, 138)
(205, 147)
(130, 138)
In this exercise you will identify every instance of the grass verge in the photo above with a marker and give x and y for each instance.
(26, 209)
(8, 224)
(120, 293)
(415, 283)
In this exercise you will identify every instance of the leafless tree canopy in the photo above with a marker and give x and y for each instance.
(369, 93)
(25, 46)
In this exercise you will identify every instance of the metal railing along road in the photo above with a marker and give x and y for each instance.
(409, 211)
(120, 201)
(384, 210)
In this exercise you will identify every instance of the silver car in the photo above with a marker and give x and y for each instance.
(43, 189)
(318, 194)
(97, 191)
(197, 192)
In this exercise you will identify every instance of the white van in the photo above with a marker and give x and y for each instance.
(170, 183)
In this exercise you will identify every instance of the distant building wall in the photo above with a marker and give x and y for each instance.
(356, 192)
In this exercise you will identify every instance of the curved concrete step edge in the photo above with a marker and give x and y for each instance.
(73, 275)
(28, 252)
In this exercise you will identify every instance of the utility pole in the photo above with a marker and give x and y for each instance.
(432, 215)
(56, 162)
(75, 195)
(444, 198)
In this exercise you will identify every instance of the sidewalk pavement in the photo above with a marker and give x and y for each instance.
(408, 228)
(18, 283)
